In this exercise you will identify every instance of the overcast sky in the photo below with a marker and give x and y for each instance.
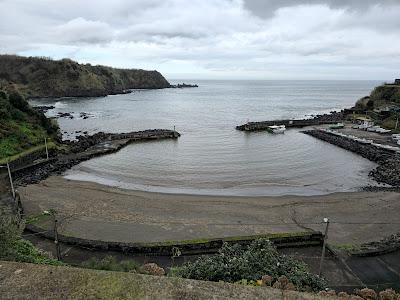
(232, 39)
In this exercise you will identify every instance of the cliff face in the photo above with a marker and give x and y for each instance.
(42, 77)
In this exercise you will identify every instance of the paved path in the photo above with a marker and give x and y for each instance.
(95, 211)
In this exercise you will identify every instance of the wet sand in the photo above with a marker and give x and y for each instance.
(94, 211)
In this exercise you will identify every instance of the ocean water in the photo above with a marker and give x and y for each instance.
(211, 157)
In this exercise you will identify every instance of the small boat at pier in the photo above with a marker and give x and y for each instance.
(277, 129)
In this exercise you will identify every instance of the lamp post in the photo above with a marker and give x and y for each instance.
(53, 213)
(326, 221)
(10, 178)
(47, 149)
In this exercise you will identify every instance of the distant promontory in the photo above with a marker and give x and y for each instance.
(37, 77)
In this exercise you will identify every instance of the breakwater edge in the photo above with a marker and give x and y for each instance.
(388, 158)
(82, 149)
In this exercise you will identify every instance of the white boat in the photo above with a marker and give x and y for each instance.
(277, 129)
(373, 128)
(396, 137)
(337, 126)
(378, 129)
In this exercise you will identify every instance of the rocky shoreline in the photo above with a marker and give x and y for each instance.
(388, 170)
(85, 148)
(183, 85)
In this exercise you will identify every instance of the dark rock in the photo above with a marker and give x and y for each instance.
(44, 108)
(65, 115)
(183, 85)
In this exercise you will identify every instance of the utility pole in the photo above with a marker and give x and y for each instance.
(56, 238)
(11, 181)
(326, 221)
(47, 150)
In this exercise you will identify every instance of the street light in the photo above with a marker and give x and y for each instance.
(326, 221)
(11, 181)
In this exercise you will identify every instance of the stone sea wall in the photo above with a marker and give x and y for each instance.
(388, 170)
(311, 238)
(27, 159)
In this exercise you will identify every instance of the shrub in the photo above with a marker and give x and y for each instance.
(21, 127)
(235, 263)
(10, 230)
(13, 247)
(18, 101)
(109, 263)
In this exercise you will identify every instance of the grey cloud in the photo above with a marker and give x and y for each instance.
(266, 8)
(80, 30)
(207, 35)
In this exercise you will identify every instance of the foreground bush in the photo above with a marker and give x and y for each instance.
(236, 263)
(13, 247)
(109, 263)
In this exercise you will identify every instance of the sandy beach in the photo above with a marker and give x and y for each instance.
(94, 211)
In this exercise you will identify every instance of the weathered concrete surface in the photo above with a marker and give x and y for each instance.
(29, 281)
(98, 212)
(377, 272)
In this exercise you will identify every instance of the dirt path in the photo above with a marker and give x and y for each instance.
(94, 211)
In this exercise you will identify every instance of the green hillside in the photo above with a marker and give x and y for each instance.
(386, 94)
(383, 95)
(44, 77)
(382, 105)
(21, 127)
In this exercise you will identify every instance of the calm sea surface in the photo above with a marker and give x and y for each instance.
(211, 157)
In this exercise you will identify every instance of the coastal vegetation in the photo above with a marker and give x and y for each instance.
(21, 127)
(13, 247)
(44, 77)
(235, 263)
(110, 263)
(382, 105)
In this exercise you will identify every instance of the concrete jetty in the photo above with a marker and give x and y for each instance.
(263, 125)
(85, 148)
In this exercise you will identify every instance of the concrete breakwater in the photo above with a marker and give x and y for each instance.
(331, 118)
(388, 158)
(85, 148)
(108, 139)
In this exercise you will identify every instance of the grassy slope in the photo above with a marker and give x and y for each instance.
(28, 281)
(21, 128)
(381, 96)
(386, 94)
(42, 77)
